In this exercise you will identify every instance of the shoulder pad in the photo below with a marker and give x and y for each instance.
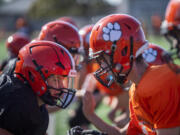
(9, 68)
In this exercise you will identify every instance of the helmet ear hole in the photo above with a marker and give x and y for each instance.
(31, 77)
(124, 51)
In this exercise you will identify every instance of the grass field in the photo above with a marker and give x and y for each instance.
(62, 116)
(3, 51)
(159, 40)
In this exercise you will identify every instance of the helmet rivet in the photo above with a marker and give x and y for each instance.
(118, 66)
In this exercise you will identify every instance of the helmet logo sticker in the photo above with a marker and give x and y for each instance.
(150, 55)
(10, 39)
(112, 32)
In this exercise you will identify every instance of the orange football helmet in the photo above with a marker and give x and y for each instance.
(66, 35)
(154, 55)
(172, 17)
(39, 60)
(68, 19)
(115, 41)
(62, 33)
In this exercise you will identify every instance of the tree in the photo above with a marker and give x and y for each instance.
(53, 8)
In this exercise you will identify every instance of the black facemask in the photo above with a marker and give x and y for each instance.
(173, 57)
(62, 100)
(105, 74)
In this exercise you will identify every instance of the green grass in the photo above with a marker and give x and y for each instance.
(163, 43)
(62, 118)
(3, 51)
(159, 40)
(62, 122)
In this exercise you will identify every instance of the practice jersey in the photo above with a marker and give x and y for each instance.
(19, 110)
(155, 101)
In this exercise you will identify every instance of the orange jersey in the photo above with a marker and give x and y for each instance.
(136, 126)
(155, 102)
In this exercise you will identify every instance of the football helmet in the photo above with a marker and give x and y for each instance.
(114, 90)
(66, 35)
(85, 33)
(115, 41)
(15, 42)
(154, 55)
(68, 19)
(170, 28)
(40, 60)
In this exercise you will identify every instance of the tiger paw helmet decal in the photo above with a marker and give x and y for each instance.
(150, 55)
(112, 32)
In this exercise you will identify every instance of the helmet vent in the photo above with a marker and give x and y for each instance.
(124, 51)
(60, 65)
(62, 51)
(129, 27)
(72, 42)
(46, 71)
(31, 77)
(30, 50)
(56, 40)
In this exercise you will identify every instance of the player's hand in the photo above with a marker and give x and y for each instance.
(92, 132)
(111, 115)
(88, 104)
(77, 130)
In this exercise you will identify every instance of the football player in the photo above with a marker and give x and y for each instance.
(170, 28)
(117, 42)
(43, 74)
(13, 44)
